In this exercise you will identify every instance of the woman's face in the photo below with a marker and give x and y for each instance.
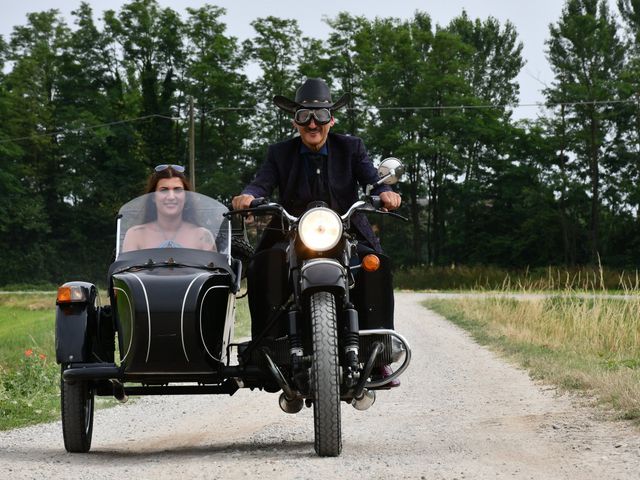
(170, 197)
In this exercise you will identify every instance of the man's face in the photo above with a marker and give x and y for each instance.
(313, 135)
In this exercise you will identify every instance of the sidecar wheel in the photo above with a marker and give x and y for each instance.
(325, 376)
(76, 402)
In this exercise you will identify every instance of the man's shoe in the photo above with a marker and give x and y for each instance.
(386, 371)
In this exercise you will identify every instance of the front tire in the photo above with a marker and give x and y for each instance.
(77, 405)
(325, 376)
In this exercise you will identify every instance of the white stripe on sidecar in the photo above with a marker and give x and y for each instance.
(184, 302)
(131, 320)
(146, 299)
(201, 335)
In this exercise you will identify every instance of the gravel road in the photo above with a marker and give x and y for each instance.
(461, 412)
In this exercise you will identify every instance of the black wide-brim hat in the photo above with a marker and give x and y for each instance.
(314, 93)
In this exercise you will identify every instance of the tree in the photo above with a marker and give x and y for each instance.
(276, 50)
(342, 65)
(483, 136)
(31, 89)
(392, 56)
(151, 40)
(587, 57)
(213, 63)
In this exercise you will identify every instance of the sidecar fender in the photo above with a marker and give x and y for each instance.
(74, 323)
(322, 274)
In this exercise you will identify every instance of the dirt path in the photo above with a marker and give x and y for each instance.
(461, 413)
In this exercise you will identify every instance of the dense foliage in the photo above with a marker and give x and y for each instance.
(89, 108)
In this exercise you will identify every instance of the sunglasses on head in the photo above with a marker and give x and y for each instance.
(177, 168)
(303, 117)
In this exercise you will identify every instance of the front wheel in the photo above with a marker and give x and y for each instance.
(325, 376)
(76, 402)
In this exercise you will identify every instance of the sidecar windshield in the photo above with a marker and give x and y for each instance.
(173, 219)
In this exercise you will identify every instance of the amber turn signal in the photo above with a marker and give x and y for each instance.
(70, 294)
(371, 263)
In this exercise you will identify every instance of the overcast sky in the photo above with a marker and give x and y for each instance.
(531, 19)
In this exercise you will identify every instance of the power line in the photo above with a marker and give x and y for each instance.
(507, 105)
(361, 107)
(89, 127)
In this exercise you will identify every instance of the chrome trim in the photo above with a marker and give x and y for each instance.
(358, 204)
(317, 261)
(118, 222)
(146, 299)
(229, 241)
(184, 302)
(229, 326)
(287, 215)
(132, 319)
(200, 316)
(405, 363)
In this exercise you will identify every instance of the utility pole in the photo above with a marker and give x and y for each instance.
(192, 146)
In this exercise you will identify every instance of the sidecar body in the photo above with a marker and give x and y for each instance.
(167, 327)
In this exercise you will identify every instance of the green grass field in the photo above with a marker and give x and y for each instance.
(29, 390)
(26, 322)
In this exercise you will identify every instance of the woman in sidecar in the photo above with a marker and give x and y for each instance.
(172, 294)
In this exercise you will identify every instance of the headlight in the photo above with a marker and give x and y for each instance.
(320, 229)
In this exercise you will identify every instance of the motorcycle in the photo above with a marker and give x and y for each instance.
(323, 356)
(171, 314)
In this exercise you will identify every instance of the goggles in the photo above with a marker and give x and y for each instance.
(161, 168)
(303, 117)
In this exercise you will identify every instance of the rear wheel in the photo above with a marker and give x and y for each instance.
(76, 402)
(325, 376)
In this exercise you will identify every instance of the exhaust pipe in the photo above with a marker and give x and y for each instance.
(290, 401)
(118, 391)
(290, 405)
(367, 399)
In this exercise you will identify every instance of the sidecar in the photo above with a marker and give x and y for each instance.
(167, 328)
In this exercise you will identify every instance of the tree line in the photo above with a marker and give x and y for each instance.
(88, 108)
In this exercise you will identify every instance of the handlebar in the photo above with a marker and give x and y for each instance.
(262, 205)
(257, 202)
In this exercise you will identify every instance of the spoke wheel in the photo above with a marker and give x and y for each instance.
(325, 376)
(77, 404)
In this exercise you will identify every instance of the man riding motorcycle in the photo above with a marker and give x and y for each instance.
(322, 166)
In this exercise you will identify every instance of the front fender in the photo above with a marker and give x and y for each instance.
(74, 324)
(322, 274)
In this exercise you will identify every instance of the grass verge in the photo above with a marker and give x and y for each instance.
(582, 344)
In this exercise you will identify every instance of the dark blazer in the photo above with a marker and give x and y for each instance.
(348, 167)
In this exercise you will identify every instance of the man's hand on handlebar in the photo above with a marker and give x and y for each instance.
(242, 201)
(390, 200)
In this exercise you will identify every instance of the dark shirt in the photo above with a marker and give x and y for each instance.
(315, 168)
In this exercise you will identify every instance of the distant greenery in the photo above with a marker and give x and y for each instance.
(89, 107)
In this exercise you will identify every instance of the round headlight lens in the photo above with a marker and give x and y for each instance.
(320, 229)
